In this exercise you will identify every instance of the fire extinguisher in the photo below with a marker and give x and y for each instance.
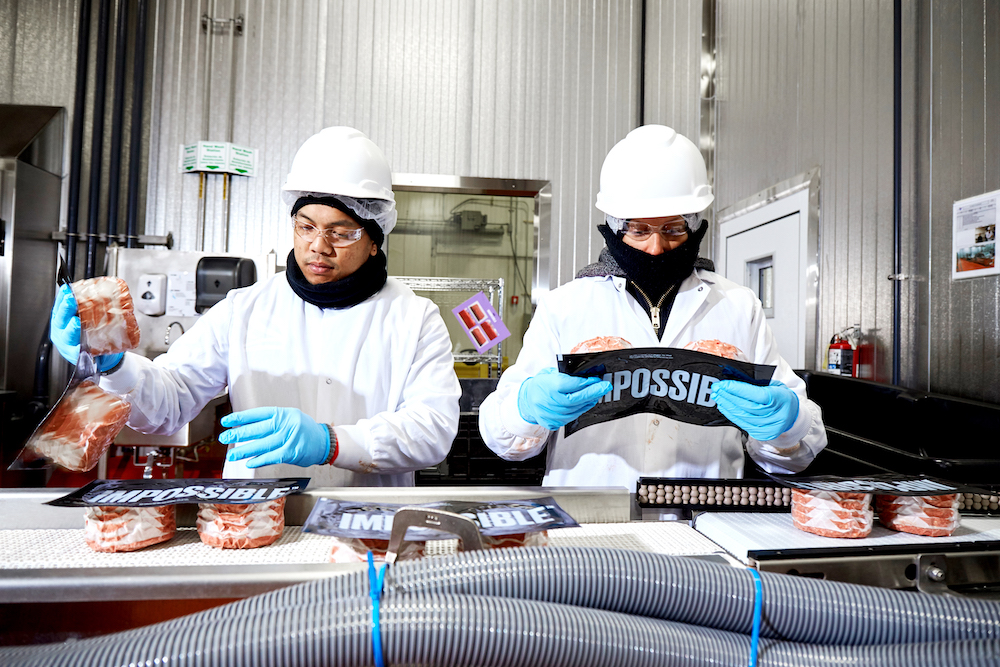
(842, 356)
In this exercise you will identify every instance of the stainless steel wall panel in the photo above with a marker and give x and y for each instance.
(949, 299)
(918, 47)
(673, 65)
(978, 307)
(537, 90)
(991, 180)
(800, 84)
(956, 158)
(38, 61)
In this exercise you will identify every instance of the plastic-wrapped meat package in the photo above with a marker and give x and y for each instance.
(832, 514)
(536, 539)
(933, 516)
(718, 348)
(113, 529)
(106, 315)
(241, 526)
(355, 550)
(601, 344)
(80, 427)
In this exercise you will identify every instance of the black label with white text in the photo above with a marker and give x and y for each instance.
(153, 492)
(671, 382)
(493, 518)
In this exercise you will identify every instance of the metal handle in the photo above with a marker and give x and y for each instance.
(464, 528)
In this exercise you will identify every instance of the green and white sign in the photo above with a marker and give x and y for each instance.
(242, 161)
(219, 157)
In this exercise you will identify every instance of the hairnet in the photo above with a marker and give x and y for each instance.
(380, 211)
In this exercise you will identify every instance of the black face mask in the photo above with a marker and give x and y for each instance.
(655, 274)
(343, 293)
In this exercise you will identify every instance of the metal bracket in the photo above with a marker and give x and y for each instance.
(221, 26)
(932, 574)
(448, 522)
(907, 276)
(160, 457)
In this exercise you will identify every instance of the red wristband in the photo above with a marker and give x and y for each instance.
(334, 447)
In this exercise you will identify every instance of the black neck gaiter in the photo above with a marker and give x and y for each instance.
(655, 274)
(343, 293)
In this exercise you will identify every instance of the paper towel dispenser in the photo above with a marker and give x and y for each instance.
(215, 276)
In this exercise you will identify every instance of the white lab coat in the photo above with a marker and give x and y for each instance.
(617, 453)
(381, 372)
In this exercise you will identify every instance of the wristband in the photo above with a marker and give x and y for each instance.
(334, 447)
(111, 370)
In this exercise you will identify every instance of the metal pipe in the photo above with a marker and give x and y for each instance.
(97, 136)
(897, 195)
(135, 141)
(642, 65)
(76, 141)
(118, 110)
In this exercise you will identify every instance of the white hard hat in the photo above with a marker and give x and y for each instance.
(654, 172)
(343, 162)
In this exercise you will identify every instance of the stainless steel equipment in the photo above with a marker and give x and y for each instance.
(30, 193)
(966, 561)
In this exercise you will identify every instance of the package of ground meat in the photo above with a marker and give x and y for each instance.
(832, 514)
(241, 526)
(362, 527)
(718, 348)
(355, 550)
(79, 429)
(672, 382)
(601, 344)
(932, 516)
(106, 315)
(113, 529)
(537, 539)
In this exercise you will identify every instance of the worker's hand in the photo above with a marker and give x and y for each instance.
(763, 412)
(552, 399)
(275, 435)
(64, 331)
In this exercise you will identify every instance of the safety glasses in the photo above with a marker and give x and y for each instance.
(338, 238)
(640, 231)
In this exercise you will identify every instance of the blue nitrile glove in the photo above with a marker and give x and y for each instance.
(275, 435)
(552, 399)
(64, 331)
(763, 412)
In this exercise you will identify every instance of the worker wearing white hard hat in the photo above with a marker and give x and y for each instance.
(650, 288)
(334, 370)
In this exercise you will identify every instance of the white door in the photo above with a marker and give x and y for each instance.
(771, 250)
(766, 259)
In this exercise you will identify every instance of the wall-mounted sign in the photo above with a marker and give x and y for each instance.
(219, 157)
(974, 233)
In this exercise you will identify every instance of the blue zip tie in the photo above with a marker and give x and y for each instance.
(758, 603)
(376, 595)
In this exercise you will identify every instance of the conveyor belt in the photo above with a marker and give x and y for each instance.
(66, 549)
(968, 561)
(752, 536)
